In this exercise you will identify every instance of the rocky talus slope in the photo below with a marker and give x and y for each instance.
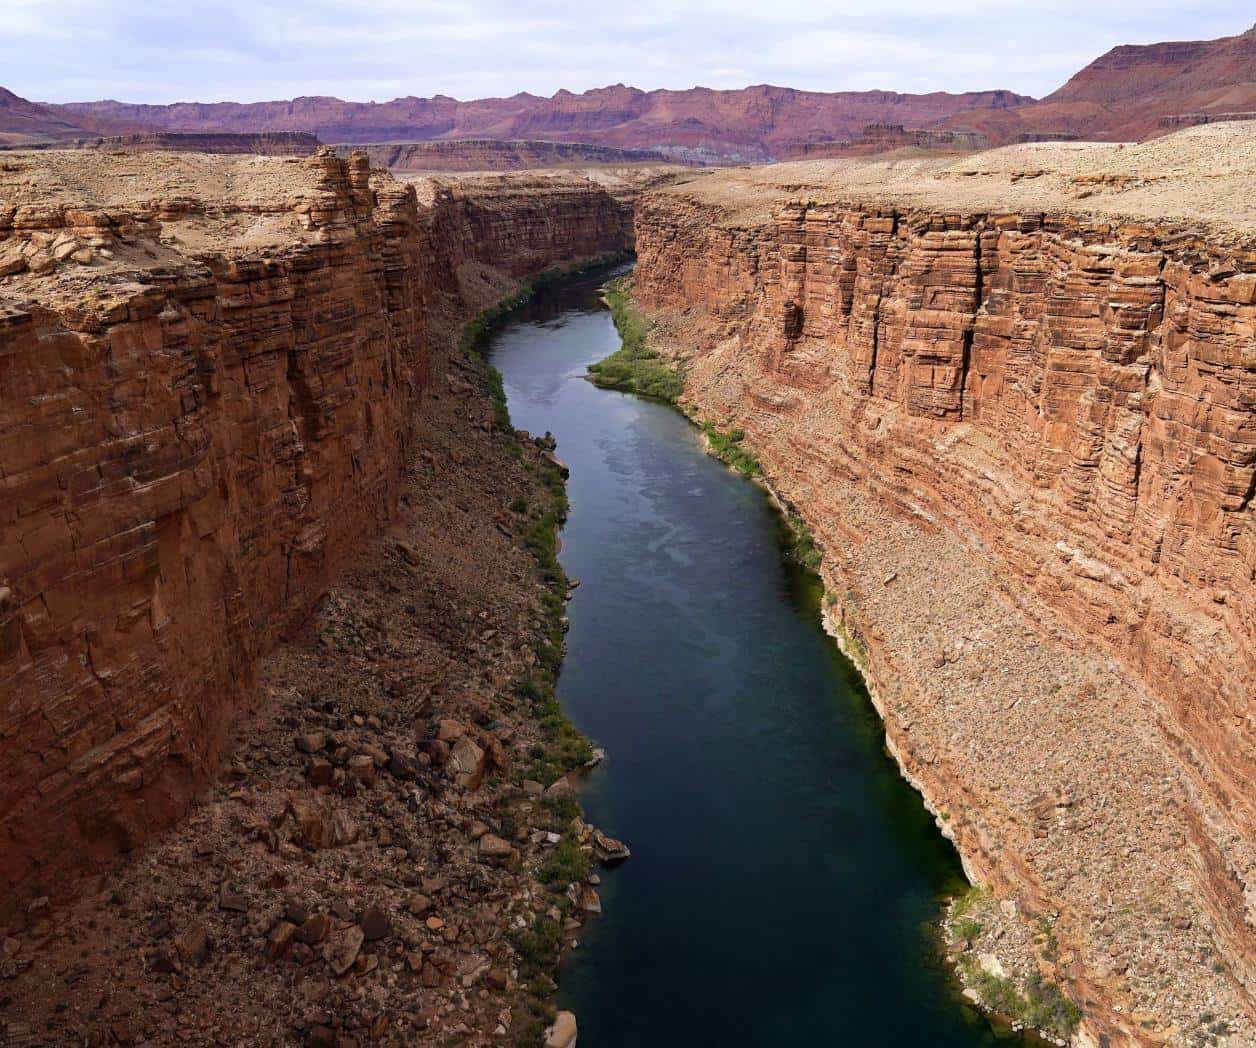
(213, 371)
(1014, 397)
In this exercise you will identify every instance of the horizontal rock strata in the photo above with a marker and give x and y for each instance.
(487, 154)
(262, 143)
(209, 373)
(1027, 443)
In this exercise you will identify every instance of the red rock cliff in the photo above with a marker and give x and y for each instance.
(207, 396)
(1005, 426)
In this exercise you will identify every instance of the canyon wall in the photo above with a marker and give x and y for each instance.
(487, 154)
(885, 138)
(207, 400)
(1065, 409)
(261, 143)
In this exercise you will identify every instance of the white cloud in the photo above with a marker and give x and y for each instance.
(152, 51)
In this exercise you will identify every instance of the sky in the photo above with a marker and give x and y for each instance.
(237, 50)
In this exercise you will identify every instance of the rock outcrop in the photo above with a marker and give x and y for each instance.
(209, 374)
(1026, 439)
(1173, 123)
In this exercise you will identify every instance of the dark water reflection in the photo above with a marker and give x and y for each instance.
(784, 877)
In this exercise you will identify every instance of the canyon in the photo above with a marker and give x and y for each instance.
(235, 415)
(207, 405)
(1013, 396)
(262, 559)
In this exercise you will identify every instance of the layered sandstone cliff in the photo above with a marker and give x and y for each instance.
(487, 154)
(210, 369)
(262, 143)
(1023, 426)
(888, 138)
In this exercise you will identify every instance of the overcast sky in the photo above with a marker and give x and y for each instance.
(250, 50)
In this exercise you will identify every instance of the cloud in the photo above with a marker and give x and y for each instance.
(148, 51)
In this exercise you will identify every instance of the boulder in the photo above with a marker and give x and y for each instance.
(343, 830)
(362, 768)
(403, 766)
(588, 900)
(321, 773)
(311, 741)
(610, 851)
(563, 1033)
(315, 929)
(310, 818)
(279, 940)
(375, 924)
(342, 949)
(560, 787)
(193, 943)
(466, 763)
(499, 852)
(449, 730)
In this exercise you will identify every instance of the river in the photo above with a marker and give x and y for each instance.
(784, 880)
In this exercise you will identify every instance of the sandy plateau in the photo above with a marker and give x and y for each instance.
(1014, 397)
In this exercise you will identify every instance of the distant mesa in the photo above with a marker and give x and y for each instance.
(1131, 93)
(24, 122)
(1136, 92)
(699, 125)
